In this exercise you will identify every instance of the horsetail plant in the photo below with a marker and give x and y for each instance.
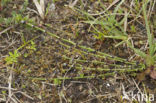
(85, 50)
(149, 57)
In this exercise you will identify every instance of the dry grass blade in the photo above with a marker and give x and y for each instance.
(125, 23)
(5, 30)
(40, 7)
(9, 87)
(114, 2)
(73, 4)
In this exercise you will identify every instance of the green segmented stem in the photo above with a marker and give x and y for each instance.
(77, 77)
(88, 49)
(99, 54)
(96, 62)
